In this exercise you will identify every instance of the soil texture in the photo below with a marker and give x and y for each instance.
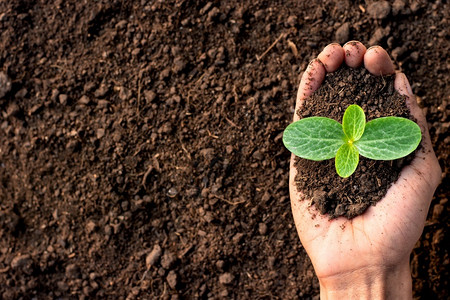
(350, 197)
(140, 143)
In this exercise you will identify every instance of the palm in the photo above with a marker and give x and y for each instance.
(385, 233)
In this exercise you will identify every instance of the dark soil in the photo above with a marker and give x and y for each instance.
(319, 181)
(140, 143)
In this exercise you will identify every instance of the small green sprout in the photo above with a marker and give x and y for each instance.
(320, 138)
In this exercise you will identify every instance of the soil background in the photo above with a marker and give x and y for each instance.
(140, 143)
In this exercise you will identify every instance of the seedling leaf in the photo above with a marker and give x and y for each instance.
(314, 138)
(389, 138)
(353, 122)
(319, 138)
(347, 159)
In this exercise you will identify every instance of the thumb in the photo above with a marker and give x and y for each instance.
(426, 160)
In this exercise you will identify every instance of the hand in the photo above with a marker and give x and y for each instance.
(368, 256)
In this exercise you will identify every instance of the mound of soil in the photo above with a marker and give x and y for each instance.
(319, 181)
(140, 143)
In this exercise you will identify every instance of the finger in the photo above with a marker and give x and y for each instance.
(427, 162)
(378, 62)
(354, 53)
(332, 57)
(311, 80)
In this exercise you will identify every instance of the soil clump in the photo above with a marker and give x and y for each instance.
(350, 197)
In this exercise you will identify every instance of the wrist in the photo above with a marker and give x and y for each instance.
(375, 282)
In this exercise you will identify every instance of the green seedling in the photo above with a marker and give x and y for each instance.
(320, 138)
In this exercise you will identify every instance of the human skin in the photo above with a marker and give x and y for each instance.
(367, 257)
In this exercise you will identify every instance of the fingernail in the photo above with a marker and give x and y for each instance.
(332, 44)
(352, 43)
(373, 47)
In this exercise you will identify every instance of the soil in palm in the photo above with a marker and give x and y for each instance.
(351, 196)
